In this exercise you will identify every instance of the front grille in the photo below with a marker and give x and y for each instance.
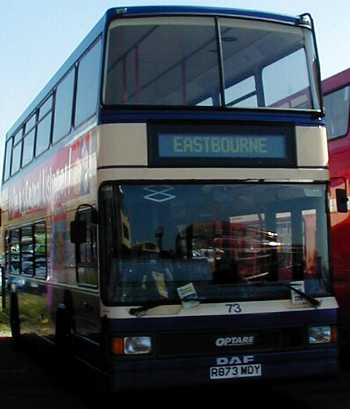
(226, 342)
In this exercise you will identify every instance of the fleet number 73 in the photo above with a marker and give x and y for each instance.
(234, 308)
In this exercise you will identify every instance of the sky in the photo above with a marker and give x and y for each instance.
(37, 36)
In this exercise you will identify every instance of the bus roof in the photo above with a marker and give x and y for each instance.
(158, 10)
(336, 81)
(112, 13)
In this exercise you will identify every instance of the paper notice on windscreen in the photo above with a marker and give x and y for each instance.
(188, 295)
(295, 297)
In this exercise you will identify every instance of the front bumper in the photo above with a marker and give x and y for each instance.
(179, 372)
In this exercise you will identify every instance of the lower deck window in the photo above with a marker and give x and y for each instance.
(26, 250)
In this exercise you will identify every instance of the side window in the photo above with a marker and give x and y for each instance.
(286, 82)
(40, 250)
(242, 94)
(16, 158)
(15, 254)
(16, 152)
(8, 152)
(43, 136)
(87, 84)
(27, 250)
(30, 123)
(337, 106)
(28, 140)
(86, 253)
(207, 102)
(28, 147)
(7, 251)
(63, 107)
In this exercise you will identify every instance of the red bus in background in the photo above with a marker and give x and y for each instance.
(252, 246)
(336, 91)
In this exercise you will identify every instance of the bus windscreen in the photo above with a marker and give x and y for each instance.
(204, 62)
(226, 240)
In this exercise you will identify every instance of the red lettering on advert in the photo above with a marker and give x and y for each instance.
(62, 177)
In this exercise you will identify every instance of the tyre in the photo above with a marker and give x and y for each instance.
(63, 336)
(14, 318)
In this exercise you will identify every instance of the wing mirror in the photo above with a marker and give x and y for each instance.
(341, 200)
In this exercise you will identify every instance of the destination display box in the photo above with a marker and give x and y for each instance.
(221, 145)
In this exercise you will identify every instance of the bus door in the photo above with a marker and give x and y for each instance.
(86, 300)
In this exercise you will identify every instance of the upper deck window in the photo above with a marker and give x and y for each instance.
(8, 152)
(162, 61)
(30, 123)
(87, 84)
(176, 61)
(64, 107)
(286, 82)
(16, 152)
(43, 135)
(28, 147)
(337, 106)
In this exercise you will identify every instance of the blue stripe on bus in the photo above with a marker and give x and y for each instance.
(138, 116)
(243, 322)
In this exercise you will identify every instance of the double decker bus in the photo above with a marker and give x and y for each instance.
(336, 90)
(164, 201)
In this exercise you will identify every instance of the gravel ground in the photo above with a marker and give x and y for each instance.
(4, 327)
(25, 383)
(38, 379)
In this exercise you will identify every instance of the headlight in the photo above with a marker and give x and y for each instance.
(132, 345)
(137, 345)
(320, 335)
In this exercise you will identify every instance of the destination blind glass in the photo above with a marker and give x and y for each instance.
(222, 146)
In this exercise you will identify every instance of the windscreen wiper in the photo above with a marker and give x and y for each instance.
(311, 300)
(144, 308)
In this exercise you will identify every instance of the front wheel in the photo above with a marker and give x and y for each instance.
(14, 318)
(63, 336)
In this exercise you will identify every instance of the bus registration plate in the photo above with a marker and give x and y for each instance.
(235, 371)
